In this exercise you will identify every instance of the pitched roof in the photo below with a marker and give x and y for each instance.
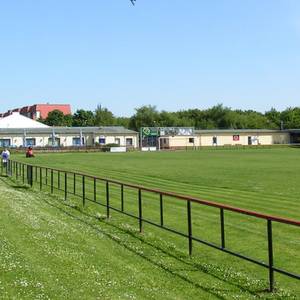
(106, 130)
(15, 120)
(236, 131)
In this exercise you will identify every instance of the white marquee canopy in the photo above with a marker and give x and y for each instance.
(15, 120)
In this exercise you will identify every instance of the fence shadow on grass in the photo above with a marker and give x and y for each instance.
(148, 258)
(64, 208)
(12, 184)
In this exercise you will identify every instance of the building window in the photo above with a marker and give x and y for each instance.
(191, 140)
(56, 142)
(76, 141)
(4, 143)
(30, 142)
(102, 141)
(117, 141)
(215, 140)
(129, 142)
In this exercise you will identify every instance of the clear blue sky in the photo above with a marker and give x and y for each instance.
(174, 54)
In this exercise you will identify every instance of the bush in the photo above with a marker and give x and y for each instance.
(112, 145)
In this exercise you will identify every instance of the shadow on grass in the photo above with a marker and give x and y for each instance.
(12, 183)
(136, 235)
(139, 237)
(134, 251)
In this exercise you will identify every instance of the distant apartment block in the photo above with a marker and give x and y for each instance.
(38, 111)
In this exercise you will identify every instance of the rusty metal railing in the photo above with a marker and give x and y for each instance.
(33, 174)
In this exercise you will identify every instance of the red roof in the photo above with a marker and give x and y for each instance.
(42, 110)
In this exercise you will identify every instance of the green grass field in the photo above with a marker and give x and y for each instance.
(155, 264)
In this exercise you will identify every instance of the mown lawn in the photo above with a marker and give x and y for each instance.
(257, 179)
(52, 250)
(264, 180)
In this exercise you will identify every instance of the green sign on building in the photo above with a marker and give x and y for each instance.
(149, 131)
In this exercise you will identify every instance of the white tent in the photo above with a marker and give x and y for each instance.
(15, 120)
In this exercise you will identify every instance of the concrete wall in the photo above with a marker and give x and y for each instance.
(114, 139)
(201, 139)
(179, 142)
(226, 138)
(256, 138)
(42, 140)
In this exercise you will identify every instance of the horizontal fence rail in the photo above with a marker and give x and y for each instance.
(77, 184)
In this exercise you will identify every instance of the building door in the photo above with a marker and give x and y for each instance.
(249, 140)
(295, 137)
(215, 141)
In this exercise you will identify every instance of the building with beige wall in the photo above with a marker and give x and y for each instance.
(205, 138)
(242, 137)
(19, 131)
(67, 137)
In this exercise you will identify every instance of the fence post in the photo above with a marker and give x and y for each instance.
(189, 215)
(66, 185)
(9, 167)
(30, 175)
(46, 179)
(74, 184)
(58, 180)
(41, 178)
(23, 173)
(6, 167)
(51, 181)
(161, 210)
(107, 199)
(140, 211)
(83, 190)
(270, 254)
(95, 189)
(222, 228)
(122, 197)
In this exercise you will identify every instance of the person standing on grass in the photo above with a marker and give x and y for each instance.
(5, 157)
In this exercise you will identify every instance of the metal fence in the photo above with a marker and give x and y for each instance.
(70, 183)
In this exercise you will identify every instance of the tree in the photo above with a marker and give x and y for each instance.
(68, 120)
(103, 117)
(122, 121)
(145, 116)
(57, 118)
(291, 117)
(83, 118)
(168, 119)
(274, 117)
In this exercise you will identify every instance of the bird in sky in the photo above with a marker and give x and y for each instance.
(133, 2)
